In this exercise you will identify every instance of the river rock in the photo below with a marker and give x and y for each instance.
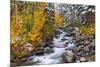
(92, 44)
(51, 46)
(39, 52)
(48, 50)
(82, 59)
(82, 43)
(68, 34)
(63, 39)
(56, 37)
(86, 42)
(58, 32)
(74, 41)
(24, 59)
(68, 56)
(81, 53)
(93, 51)
(86, 48)
(40, 48)
(76, 49)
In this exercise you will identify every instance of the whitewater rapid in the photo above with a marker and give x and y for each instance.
(60, 43)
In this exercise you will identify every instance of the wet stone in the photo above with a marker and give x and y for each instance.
(56, 37)
(58, 32)
(39, 52)
(51, 46)
(67, 43)
(46, 45)
(63, 39)
(48, 50)
(68, 34)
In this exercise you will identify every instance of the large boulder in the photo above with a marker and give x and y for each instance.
(68, 56)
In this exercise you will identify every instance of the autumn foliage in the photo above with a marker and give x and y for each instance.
(30, 24)
(39, 20)
(58, 19)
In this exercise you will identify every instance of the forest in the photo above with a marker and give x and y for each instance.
(51, 33)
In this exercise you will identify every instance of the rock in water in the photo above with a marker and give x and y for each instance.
(68, 56)
(48, 50)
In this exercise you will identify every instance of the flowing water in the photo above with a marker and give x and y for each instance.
(61, 42)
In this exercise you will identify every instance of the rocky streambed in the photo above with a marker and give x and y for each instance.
(64, 47)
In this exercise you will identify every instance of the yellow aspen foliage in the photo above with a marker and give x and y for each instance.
(58, 19)
(16, 25)
(88, 29)
(27, 27)
(39, 20)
